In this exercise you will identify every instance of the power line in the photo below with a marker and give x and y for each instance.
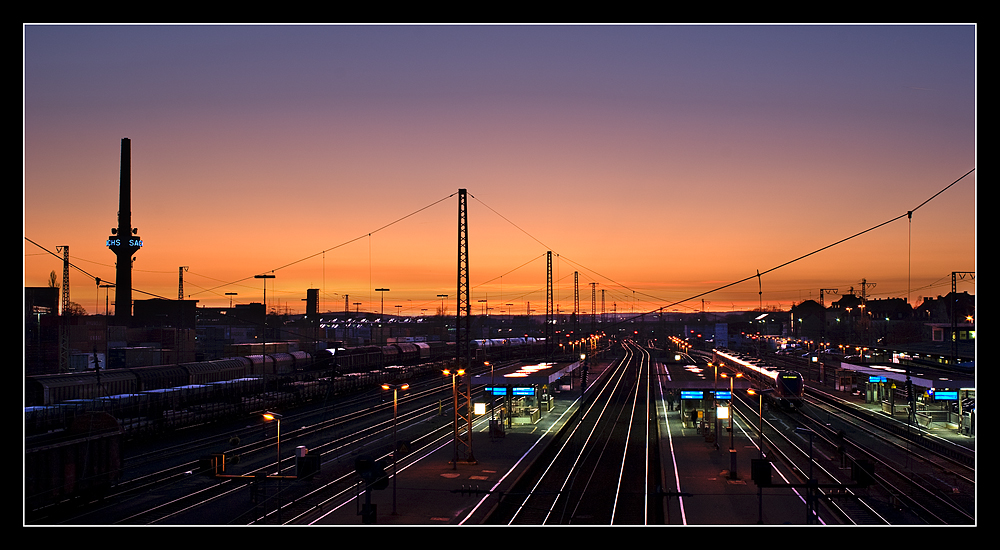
(582, 267)
(775, 268)
(94, 277)
(74, 266)
(908, 214)
(513, 224)
(345, 243)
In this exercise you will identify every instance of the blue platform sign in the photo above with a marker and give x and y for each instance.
(946, 395)
(510, 390)
(692, 394)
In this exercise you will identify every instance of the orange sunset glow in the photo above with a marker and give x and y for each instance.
(659, 162)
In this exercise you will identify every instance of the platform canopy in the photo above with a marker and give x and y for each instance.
(527, 375)
(897, 374)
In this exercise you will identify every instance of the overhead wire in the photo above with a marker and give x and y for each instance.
(758, 274)
(345, 243)
(775, 268)
(89, 275)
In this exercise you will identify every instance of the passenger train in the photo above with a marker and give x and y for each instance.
(783, 387)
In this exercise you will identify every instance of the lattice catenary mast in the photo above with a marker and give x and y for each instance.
(463, 331)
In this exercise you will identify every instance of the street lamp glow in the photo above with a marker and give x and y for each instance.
(268, 415)
(396, 388)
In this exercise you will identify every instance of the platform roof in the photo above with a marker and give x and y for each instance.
(898, 374)
(526, 375)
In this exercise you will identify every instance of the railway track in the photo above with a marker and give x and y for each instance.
(153, 493)
(916, 475)
(602, 470)
(910, 485)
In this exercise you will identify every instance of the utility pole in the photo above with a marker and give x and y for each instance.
(180, 281)
(65, 280)
(549, 305)
(576, 302)
(593, 308)
(463, 330)
(603, 319)
(955, 275)
(64, 318)
(381, 320)
(823, 291)
(263, 326)
(865, 324)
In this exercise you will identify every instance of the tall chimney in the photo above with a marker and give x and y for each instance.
(123, 241)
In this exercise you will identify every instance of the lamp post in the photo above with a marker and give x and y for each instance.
(383, 291)
(106, 302)
(760, 414)
(277, 417)
(382, 314)
(444, 322)
(263, 333)
(760, 449)
(715, 402)
(357, 311)
(492, 395)
(486, 321)
(454, 395)
(732, 449)
(396, 388)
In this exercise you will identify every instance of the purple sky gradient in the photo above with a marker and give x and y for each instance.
(658, 161)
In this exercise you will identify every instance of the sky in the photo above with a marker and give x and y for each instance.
(665, 165)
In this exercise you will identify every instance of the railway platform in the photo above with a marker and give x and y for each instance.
(951, 433)
(700, 489)
(437, 491)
